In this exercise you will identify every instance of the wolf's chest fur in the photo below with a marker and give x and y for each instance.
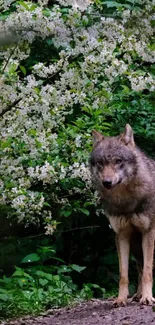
(128, 211)
(125, 200)
(139, 222)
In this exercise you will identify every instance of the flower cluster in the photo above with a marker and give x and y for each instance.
(45, 173)
(54, 94)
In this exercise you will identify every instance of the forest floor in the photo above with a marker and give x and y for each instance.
(93, 312)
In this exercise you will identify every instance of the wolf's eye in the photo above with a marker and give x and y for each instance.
(100, 162)
(118, 161)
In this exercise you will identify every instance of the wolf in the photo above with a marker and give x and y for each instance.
(125, 179)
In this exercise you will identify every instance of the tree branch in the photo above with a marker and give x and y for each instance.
(63, 231)
(8, 108)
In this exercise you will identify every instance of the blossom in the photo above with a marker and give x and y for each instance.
(49, 230)
(52, 104)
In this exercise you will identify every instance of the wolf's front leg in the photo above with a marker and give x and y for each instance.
(148, 239)
(123, 247)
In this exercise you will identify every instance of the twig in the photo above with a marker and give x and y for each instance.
(80, 228)
(63, 231)
(7, 61)
(8, 108)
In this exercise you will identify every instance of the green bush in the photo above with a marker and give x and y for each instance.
(37, 287)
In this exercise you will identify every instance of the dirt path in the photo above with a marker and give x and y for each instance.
(95, 312)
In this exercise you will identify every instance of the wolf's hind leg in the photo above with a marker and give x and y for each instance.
(136, 250)
(123, 247)
(148, 239)
(137, 296)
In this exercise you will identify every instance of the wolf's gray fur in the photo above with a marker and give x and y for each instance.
(125, 179)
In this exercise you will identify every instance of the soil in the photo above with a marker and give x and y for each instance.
(94, 312)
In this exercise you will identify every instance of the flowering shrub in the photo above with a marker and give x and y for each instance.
(74, 66)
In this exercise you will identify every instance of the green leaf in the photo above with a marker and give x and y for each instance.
(111, 4)
(9, 185)
(32, 132)
(18, 272)
(64, 10)
(125, 89)
(4, 297)
(64, 269)
(33, 7)
(58, 259)
(46, 12)
(43, 282)
(67, 213)
(5, 280)
(46, 204)
(85, 211)
(31, 258)
(49, 41)
(44, 275)
(23, 70)
(23, 4)
(21, 282)
(77, 268)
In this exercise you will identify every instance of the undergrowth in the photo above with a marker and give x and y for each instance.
(37, 287)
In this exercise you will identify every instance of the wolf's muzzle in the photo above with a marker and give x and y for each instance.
(107, 184)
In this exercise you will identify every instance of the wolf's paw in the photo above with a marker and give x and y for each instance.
(147, 300)
(119, 302)
(136, 297)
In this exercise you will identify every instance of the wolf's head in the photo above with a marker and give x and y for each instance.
(113, 159)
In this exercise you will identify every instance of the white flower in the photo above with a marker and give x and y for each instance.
(78, 141)
(49, 230)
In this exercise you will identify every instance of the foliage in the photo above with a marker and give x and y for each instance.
(36, 287)
(70, 67)
(76, 67)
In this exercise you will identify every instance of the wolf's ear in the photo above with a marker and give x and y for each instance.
(127, 136)
(97, 137)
